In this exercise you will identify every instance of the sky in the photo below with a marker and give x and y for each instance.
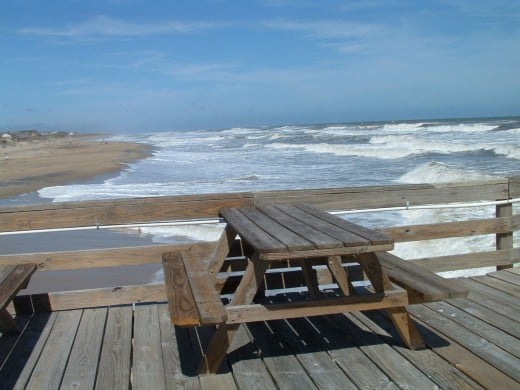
(130, 66)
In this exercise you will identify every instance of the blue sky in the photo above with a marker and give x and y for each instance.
(139, 66)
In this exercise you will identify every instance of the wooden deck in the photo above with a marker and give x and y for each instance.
(472, 343)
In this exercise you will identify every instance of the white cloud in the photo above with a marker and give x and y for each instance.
(105, 26)
(342, 37)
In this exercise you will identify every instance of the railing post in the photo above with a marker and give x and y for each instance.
(504, 240)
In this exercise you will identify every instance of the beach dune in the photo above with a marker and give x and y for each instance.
(30, 165)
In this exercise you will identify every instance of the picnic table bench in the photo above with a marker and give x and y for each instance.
(12, 279)
(306, 236)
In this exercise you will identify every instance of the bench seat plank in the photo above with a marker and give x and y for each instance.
(182, 306)
(210, 307)
(192, 297)
(12, 279)
(429, 286)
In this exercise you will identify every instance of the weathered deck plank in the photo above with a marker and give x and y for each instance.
(472, 342)
(244, 360)
(445, 375)
(283, 366)
(179, 372)
(498, 284)
(356, 365)
(147, 364)
(114, 364)
(487, 331)
(18, 368)
(83, 361)
(325, 373)
(494, 318)
(401, 371)
(48, 372)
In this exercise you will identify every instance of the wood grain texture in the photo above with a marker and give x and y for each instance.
(68, 300)
(285, 216)
(183, 308)
(251, 232)
(147, 364)
(93, 258)
(48, 372)
(119, 211)
(81, 370)
(114, 362)
(359, 233)
(429, 286)
(13, 279)
(257, 312)
(202, 287)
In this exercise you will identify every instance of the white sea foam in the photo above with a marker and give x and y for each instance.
(462, 127)
(384, 147)
(184, 233)
(434, 172)
(402, 127)
(416, 145)
(508, 150)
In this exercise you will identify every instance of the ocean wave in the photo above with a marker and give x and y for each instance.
(417, 145)
(403, 127)
(435, 172)
(389, 147)
(508, 150)
(462, 127)
(246, 178)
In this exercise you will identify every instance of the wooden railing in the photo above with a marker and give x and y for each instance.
(144, 210)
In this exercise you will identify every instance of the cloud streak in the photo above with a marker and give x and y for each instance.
(105, 26)
(327, 28)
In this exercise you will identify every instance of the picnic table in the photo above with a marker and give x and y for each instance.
(306, 236)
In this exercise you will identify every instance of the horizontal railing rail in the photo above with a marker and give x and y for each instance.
(122, 211)
(101, 214)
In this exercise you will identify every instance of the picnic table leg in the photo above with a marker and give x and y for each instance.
(221, 250)
(310, 278)
(340, 275)
(7, 323)
(375, 273)
(221, 341)
(406, 327)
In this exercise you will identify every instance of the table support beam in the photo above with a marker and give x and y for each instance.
(225, 333)
(406, 328)
(340, 275)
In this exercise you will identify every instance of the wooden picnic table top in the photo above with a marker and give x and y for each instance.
(278, 232)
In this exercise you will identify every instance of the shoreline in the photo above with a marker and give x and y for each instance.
(29, 165)
(30, 161)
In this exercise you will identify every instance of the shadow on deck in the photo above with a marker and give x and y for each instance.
(472, 342)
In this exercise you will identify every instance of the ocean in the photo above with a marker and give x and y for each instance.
(319, 156)
(310, 156)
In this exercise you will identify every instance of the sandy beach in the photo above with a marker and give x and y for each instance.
(45, 160)
(28, 165)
